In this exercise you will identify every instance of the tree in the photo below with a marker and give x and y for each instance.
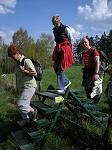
(24, 42)
(103, 43)
(109, 46)
(91, 40)
(110, 33)
(1, 41)
(44, 49)
(41, 50)
(97, 40)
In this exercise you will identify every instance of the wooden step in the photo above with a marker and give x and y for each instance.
(43, 108)
(99, 113)
(49, 95)
(37, 136)
(28, 126)
(27, 147)
(43, 122)
(103, 120)
(22, 141)
(55, 92)
(34, 133)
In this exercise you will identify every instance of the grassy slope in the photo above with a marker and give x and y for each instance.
(7, 99)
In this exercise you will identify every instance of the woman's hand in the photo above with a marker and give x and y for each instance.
(27, 72)
(22, 69)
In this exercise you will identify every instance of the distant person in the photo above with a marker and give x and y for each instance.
(62, 55)
(25, 83)
(92, 78)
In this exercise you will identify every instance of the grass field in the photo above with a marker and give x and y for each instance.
(9, 113)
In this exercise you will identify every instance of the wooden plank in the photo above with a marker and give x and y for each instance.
(40, 104)
(26, 147)
(48, 95)
(46, 109)
(99, 114)
(37, 136)
(22, 142)
(20, 137)
(34, 135)
(103, 119)
(85, 109)
(43, 122)
(55, 92)
(28, 126)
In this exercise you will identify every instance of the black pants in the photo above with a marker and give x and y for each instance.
(88, 84)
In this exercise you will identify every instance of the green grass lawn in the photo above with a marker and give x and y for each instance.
(8, 111)
(74, 74)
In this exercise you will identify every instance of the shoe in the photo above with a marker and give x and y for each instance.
(94, 101)
(67, 85)
(23, 122)
(61, 91)
(33, 115)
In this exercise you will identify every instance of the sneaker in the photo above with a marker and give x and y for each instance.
(61, 91)
(67, 85)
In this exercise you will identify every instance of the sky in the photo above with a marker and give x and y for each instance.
(87, 17)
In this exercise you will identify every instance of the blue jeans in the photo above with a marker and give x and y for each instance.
(62, 80)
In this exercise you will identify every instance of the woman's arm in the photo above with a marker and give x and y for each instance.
(28, 68)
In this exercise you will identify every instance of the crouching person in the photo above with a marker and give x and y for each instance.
(25, 83)
(92, 79)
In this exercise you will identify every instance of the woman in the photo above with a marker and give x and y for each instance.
(62, 55)
(25, 82)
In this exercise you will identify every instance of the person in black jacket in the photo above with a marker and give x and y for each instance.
(62, 54)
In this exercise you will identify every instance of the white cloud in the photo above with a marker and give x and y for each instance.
(101, 10)
(79, 27)
(78, 31)
(8, 3)
(4, 10)
(6, 35)
(7, 6)
(74, 32)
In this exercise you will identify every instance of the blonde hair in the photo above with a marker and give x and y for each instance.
(56, 18)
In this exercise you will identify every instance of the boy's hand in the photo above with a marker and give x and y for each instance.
(95, 77)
